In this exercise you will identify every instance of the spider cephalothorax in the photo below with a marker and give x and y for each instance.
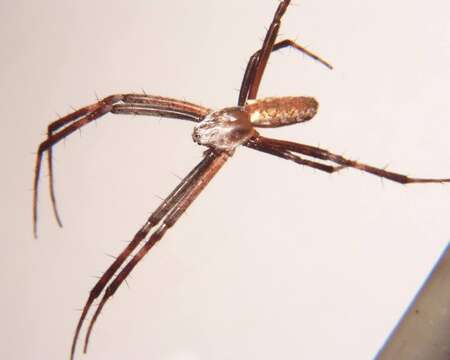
(225, 129)
(222, 132)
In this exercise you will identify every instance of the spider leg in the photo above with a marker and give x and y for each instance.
(73, 121)
(269, 40)
(137, 109)
(51, 183)
(52, 127)
(170, 104)
(173, 198)
(322, 154)
(284, 154)
(168, 213)
(250, 71)
(135, 103)
(258, 61)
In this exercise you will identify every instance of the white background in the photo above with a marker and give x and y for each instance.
(273, 260)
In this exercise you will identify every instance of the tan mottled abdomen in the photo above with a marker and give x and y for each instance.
(281, 111)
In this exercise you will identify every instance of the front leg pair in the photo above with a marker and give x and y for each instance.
(137, 104)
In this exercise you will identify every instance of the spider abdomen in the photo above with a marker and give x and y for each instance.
(224, 129)
(281, 111)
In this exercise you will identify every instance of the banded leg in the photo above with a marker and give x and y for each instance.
(258, 61)
(51, 184)
(212, 164)
(250, 71)
(284, 154)
(174, 197)
(139, 104)
(322, 154)
(54, 126)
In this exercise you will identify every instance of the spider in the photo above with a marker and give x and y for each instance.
(221, 131)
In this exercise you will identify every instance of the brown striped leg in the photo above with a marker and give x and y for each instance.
(284, 154)
(131, 103)
(172, 200)
(51, 184)
(322, 154)
(99, 108)
(212, 164)
(261, 61)
(252, 63)
(170, 104)
(257, 63)
(138, 109)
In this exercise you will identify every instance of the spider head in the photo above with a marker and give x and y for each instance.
(224, 129)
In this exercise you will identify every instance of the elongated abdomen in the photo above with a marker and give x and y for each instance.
(281, 111)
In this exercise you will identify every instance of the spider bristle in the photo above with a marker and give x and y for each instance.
(159, 197)
(177, 176)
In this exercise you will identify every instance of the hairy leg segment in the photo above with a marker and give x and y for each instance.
(137, 104)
